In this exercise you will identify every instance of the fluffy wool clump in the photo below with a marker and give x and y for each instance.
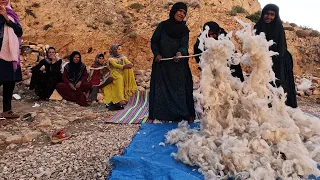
(246, 130)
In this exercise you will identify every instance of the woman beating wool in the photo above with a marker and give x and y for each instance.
(75, 84)
(44, 83)
(171, 85)
(10, 69)
(99, 76)
(271, 24)
(124, 84)
(214, 32)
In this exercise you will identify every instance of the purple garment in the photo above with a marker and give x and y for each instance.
(14, 15)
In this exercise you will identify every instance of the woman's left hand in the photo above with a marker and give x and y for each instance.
(176, 59)
(78, 84)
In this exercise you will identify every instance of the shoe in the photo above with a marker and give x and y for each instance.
(116, 107)
(9, 115)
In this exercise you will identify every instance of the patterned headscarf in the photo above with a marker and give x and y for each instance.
(113, 51)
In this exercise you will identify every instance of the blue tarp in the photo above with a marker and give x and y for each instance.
(145, 159)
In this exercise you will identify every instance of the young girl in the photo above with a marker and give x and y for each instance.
(99, 76)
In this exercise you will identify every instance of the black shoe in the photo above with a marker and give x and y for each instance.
(116, 107)
(108, 105)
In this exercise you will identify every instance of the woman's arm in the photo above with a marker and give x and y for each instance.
(16, 28)
(184, 45)
(113, 62)
(38, 66)
(155, 40)
(65, 77)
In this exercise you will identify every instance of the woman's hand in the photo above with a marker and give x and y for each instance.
(3, 12)
(176, 59)
(72, 86)
(128, 66)
(158, 58)
(78, 84)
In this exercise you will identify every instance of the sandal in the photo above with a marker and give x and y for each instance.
(9, 115)
(59, 136)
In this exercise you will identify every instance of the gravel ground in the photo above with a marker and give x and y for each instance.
(85, 155)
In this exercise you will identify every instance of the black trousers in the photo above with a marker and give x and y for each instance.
(8, 87)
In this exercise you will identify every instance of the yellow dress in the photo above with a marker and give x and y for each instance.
(124, 84)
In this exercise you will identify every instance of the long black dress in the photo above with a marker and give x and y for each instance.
(171, 85)
(282, 63)
(44, 83)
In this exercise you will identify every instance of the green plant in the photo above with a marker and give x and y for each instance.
(293, 25)
(315, 33)
(136, 6)
(290, 28)
(108, 22)
(233, 13)
(46, 27)
(35, 5)
(30, 12)
(194, 4)
(127, 21)
(132, 35)
(92, 26)
(254, 17)
(239, 9)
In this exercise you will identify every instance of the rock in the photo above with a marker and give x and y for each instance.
(300, 93)
(4, 135)
(138, 72)
(316, 92)
(91, 116)
(30, 136)
(15, 139)
(44, 123)
(308, 92)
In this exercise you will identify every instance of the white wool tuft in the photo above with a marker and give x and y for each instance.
(240, 134)
(304, 85)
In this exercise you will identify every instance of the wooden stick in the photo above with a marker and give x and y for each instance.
(180, 57)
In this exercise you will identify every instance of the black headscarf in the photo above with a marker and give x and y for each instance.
(214, 28)
(273, 30)
(75, 70)
(173, 28)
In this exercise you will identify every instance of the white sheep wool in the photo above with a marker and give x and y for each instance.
(246, 130)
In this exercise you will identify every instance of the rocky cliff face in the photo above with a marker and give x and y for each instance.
(91, 27)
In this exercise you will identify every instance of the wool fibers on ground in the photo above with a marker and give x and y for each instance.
(246, 130)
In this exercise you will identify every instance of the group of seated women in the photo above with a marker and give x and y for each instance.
(114, 77)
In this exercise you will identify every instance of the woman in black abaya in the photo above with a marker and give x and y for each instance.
(271, 24)
(171, 81)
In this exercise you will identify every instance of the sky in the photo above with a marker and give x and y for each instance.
(300, 12)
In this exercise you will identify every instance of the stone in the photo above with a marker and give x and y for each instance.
(44, 123)
(29, 136)
(316, 92)
(15, 139)
(300, 93)
(4, 135)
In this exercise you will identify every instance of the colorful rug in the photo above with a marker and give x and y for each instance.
(137, 111)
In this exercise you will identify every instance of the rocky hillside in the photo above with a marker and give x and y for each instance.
(92, 27)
